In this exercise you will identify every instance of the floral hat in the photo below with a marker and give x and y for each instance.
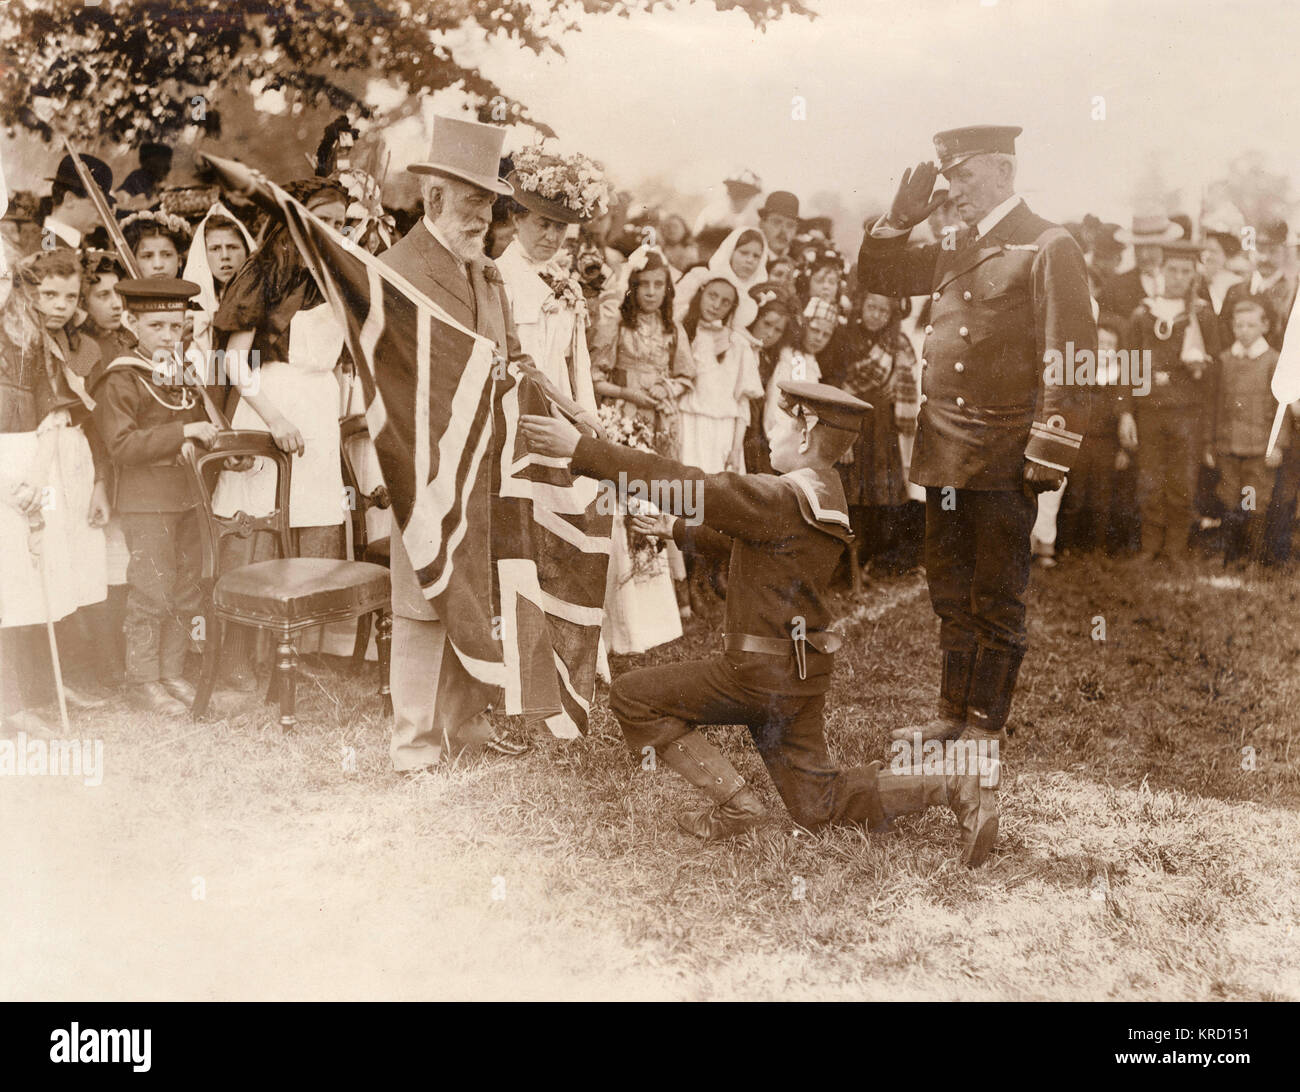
(138, 224)
(568, 188)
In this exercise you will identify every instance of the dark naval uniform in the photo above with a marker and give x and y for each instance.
(142, 425)
(998, 305)
(784, 536)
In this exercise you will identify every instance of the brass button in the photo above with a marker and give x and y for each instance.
(959, 367)
(963, 331)
(960, 401)
(934, 295)
(924, 399)
(924, 362)
(966, 295)
(929, 329)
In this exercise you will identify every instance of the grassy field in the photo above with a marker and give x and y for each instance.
(1138, 858)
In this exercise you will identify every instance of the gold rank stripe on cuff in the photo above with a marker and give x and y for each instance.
(1040, 431)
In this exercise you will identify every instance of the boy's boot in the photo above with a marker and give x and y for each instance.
(735, 808)
(973, 802)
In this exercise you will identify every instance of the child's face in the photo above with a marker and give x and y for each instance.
(333, 213)
(56, 299)
(1178, 273)
(159, 330)
(875, 312)
(745, 259)
(226, 253)
(1213, 257)
(768, 328)
(817, 334)
(651, 287)
(716, 300)
(157, 257)
(1248, 323)
(102, 302)
(825, 284)
(781, 273)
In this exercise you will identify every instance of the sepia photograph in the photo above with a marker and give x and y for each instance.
(650, 500)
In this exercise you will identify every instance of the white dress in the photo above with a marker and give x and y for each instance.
(551, 330)
(723, 387)
(304, 389)
(71, 551)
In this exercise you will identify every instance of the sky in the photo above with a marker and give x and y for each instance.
(1103, 90)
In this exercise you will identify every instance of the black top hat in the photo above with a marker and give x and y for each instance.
(100, 171)
(1272, 233)
(780, 203)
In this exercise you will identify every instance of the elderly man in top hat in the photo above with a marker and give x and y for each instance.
(72, 213)
(443, 257)
(1007, 292)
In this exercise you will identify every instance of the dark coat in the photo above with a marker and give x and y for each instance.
(996, 309)
(142, 426)
(784, 533)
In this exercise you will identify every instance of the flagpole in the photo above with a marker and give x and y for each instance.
(105, 214)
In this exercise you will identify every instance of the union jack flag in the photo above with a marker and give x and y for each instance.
(510, 548)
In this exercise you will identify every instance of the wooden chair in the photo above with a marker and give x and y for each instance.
(375, 551)
(287, 595)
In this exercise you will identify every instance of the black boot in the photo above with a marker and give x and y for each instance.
(954, 693)
(735, 807)
(993, 681)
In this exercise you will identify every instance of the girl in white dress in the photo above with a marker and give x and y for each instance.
(715, 411)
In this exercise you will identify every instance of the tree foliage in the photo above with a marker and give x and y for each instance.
(130, 70)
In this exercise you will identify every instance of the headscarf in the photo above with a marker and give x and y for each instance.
(197, 268)
(719, 268)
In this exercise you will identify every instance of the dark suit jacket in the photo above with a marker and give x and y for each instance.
(480, 306)
(996, 309)
(1278, 298)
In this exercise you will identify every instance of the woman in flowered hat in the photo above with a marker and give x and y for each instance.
(552, 192)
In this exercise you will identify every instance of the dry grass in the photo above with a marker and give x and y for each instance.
(1138, 859)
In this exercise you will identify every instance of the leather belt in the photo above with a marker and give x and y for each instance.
(821, 644)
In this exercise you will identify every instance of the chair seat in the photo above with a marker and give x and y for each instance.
(297, 591)
(379, 552)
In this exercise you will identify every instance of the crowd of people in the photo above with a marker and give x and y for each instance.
(675, 337)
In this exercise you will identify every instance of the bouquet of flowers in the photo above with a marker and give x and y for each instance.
(573, 180)
(633, 432)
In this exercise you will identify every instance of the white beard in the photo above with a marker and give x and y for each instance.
(465, 245)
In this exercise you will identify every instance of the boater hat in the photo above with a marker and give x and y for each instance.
(828, 404)
(1150, 229)
(156, 293)
(954, 146)
(467, 150)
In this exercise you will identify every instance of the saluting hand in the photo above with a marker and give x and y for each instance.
(913, 201)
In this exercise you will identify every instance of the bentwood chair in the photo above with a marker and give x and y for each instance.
(353, 434)
(287, 595)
